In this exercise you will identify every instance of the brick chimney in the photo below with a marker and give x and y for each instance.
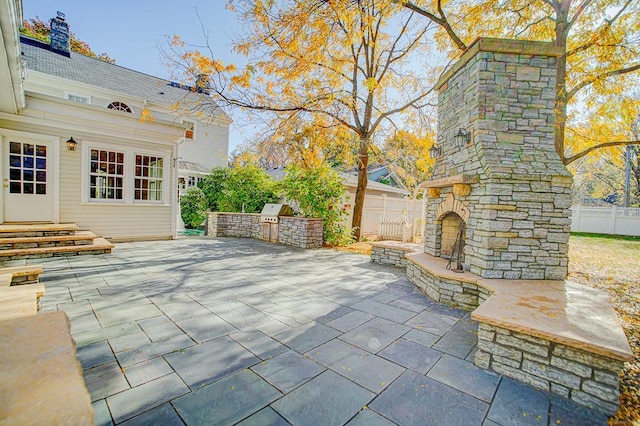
(60, 42)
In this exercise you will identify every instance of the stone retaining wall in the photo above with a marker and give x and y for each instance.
(585, 377)
(292, 231)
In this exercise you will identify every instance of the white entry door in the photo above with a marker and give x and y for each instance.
(27, 181)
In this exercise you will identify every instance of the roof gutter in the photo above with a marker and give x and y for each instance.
(10, 24)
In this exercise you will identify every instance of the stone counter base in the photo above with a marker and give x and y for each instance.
(299, 232)
(583, 377)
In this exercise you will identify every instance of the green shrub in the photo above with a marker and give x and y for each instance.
(213, 186)
(193, 207)
(318, 192)
(249, 186)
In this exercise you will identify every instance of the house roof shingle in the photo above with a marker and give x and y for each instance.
(84, 69)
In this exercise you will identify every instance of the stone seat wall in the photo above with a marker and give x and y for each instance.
(392, 252)
(555, 335)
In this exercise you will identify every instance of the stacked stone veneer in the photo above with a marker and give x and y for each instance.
(520, 193)
(585, 377)
(242, 225)
(389, 256)
(513, 193)
(453, 292)
(293, 231)
(300, 232)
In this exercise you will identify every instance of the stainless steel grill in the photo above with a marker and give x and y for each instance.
(271, 212)
(270, 218)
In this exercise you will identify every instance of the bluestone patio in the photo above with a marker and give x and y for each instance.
(226, 331)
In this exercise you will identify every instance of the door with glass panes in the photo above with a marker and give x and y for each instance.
(27, 180)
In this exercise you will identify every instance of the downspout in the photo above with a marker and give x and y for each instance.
(174, 188)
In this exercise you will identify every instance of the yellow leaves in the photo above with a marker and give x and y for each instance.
(243, 79)
(176, 41)
(146, 116)
(371, 83)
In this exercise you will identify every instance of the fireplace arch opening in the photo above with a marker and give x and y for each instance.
(451, 228)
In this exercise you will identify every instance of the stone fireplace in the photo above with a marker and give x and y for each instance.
(507, 184)
(508, 188)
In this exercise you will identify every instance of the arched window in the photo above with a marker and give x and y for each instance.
(119, 106)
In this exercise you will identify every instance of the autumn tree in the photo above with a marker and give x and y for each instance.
(306, 144)
(327, 63)
(407, 155)
(601, 44)
(40, 30)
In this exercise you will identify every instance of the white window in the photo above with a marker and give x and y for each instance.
(119, 106)
(81, 99)
(190, 129)
(124, 176)
(148, 178)
(106, 175)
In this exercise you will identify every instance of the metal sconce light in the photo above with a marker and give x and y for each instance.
(71, 144)
(435, 151)
(462, 137)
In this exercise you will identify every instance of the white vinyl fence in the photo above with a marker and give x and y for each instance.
(390, 218)
(606, 220)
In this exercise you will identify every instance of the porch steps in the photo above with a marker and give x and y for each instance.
(19, 230)
(29, 241)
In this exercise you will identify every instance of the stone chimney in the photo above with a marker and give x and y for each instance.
(60, 42)
(505, 182)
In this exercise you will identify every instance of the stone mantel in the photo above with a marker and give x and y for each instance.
(449, 181)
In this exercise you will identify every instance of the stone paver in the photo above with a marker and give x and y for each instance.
(328, 399)
(288, 370)
(415, 399)
(239, 331)
(518, 404)
(466, 377)
(228, 401)
(137, 400)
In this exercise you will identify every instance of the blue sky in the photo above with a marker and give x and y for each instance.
(130, 31)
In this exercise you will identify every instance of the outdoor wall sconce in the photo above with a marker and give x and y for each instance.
(462, 137)
(71, 144)
(435, 151)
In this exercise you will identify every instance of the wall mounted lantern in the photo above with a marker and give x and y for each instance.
(435, 151)
(71, 144)
(462, 137)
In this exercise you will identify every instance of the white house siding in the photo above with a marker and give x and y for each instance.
(113, 220)
(210, 146)
(59, 119)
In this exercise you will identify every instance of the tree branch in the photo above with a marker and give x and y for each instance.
(579, 11)
(569, 160)
(602, 76)
(594, 40)
(442, 20)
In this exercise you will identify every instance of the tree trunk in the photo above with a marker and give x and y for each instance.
(561, 83)
(363, 162)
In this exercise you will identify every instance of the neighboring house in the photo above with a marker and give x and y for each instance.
(120, 178)
(350, 180)
(383, 174)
